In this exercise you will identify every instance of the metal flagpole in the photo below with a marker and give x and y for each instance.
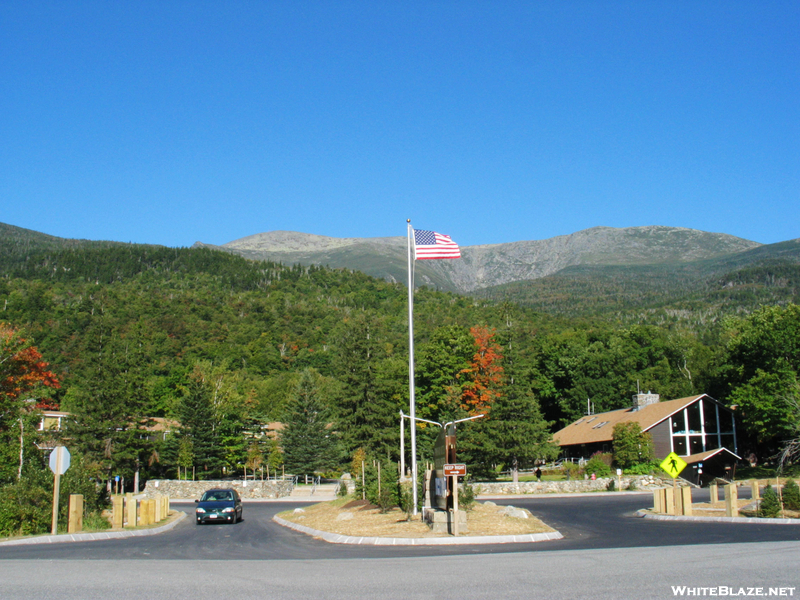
(412, 403)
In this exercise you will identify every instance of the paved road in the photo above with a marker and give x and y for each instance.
(587, 523)
(607, 554)
(610, 574)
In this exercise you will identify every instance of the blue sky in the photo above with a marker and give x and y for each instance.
(174, 122)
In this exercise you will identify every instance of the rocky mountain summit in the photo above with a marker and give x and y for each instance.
(496, 264)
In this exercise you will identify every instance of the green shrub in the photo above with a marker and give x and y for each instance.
(466, 496)
(612, 486)
(632, 485)
(599, 464)
(26, 507)
(386, 495)
(791, 495)
(770, 506)
(342, 490)
(645, 468)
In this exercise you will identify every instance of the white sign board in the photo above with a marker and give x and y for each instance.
(59, 460)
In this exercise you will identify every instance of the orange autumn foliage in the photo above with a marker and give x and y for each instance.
(484, 375)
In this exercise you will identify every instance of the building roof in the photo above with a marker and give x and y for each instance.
(592, 429)
(703, 456)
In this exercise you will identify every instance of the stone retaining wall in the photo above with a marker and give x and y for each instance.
(249, 490)
(566, 487)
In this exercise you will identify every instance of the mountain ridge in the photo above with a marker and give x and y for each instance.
(490, 265)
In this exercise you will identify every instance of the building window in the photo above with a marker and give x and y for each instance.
(725, 422)
(695, 444)
(695, 421)
(710, 417)
(679, 445)
(678, 423)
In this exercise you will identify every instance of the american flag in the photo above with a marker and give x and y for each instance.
(429, 244)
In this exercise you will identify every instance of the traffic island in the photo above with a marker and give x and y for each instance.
(346, 522)
(676, 503)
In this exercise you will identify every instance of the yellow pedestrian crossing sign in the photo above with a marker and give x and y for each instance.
(673, 465)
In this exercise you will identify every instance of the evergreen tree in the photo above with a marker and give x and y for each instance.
(368, 408)
(791, 495)
(108, 425)
(309, 445)
(198, 424)
(514, 434)
(770, 506)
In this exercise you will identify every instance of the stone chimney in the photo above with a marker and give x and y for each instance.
(641, 400)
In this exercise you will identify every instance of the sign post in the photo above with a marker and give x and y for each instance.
(673, 465)
(455, 471)
(59, 463)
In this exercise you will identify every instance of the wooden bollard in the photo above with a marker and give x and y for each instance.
(714, 493)
(669, 501)
(75, 513)
(755, 491)
(731, 501)
(144, 513)
(117, 512)
(130, 511)
(157, 508)
(151, 511)
(657, 501)
(686, 501)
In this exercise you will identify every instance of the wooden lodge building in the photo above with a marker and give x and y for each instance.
(697, 428)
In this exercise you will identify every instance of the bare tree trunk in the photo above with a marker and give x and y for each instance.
(515, 471)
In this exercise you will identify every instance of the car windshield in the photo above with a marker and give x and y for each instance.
(216, 496)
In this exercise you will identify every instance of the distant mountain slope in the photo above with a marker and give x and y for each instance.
(17, 243)
(768, 274)
(492, 265)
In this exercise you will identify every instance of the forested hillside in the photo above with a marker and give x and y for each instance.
(221, 344)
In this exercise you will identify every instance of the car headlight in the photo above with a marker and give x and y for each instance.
(228, 509)
(201, 510)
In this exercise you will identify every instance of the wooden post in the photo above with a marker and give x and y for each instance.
(731, 500)
(158, 506)
(455, 505)
(75, 523)
(363, 482)
(151, 511)
(117, 514)
(686, 501)
(657, 501)
(669, 500)
(755, 491)
(713, 490)
(144, 513)
(130, 510)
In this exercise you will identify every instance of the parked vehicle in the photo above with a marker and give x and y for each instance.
(219, 506)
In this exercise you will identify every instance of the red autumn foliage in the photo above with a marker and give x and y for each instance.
(21, 367)
(484, 375)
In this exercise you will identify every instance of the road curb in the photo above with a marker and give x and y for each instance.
(97, 536)
(337, 538)
(757, 520)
